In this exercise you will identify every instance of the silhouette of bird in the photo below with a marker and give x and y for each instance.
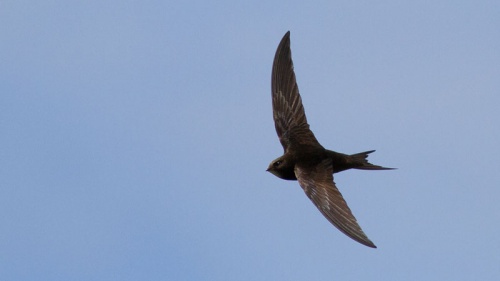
(304, 158)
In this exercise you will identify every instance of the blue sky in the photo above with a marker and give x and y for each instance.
(136, 134)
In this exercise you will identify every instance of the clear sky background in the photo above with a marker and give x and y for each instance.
(135, 137)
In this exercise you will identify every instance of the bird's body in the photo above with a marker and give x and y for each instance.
(315, 155)
(305, 159)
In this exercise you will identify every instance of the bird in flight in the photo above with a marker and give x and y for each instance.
(304, 158)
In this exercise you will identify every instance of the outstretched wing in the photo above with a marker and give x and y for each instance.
(288, 112)
(318, 185)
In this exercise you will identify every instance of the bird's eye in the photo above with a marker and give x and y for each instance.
(277, 163)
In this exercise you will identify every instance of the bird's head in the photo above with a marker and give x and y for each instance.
(282, 168)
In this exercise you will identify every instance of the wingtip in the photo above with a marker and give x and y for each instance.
(364, 241)
(371, 246)
(286, 37)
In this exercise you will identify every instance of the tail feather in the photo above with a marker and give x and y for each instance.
(362, 163)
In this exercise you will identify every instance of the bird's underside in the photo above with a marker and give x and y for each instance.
(304, 158)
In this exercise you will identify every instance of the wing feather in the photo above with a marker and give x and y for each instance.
(319, 186)
(288, 112)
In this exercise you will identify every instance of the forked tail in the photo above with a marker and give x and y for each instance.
(361, 162)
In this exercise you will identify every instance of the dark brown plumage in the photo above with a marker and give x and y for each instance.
(305, 159)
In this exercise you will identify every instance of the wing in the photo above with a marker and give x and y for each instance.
(288, 112)
(318, 185)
